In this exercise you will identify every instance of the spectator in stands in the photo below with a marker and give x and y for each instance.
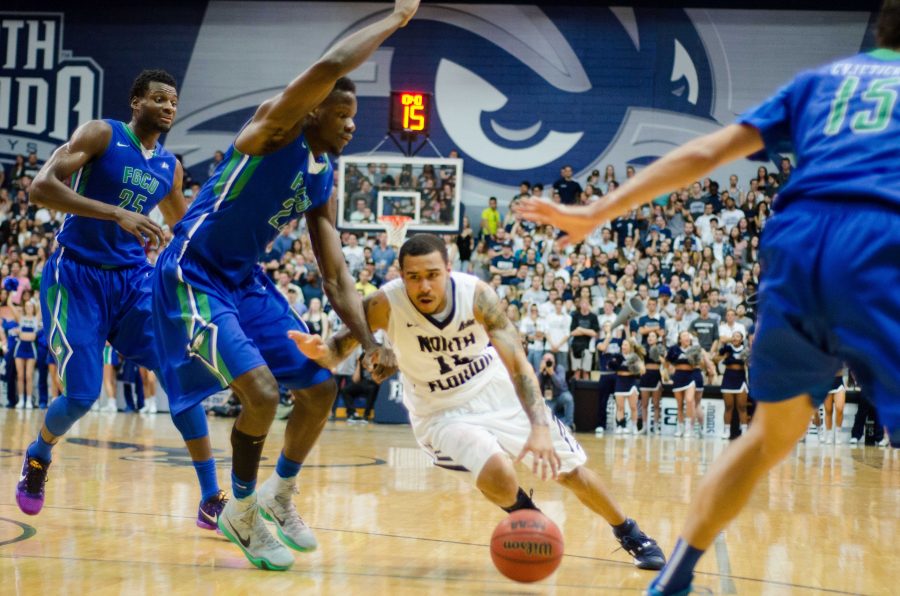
(353, 254)
(504, 264)
(585, 327)
(490, 218)
(706, 328)
(557, 329)
(316, 320)
(465, 243)
(552, 379)
(218, 156)
(568, 189)
(651, 321)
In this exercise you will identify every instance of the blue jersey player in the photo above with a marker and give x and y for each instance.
(221, 322)
(96, 286)
(831, 263)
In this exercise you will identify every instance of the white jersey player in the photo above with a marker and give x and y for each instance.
(473, 397)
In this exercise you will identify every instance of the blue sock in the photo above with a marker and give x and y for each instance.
(287, 468)
(242, 489)
(206, 474)
(40, 449)
(679, 571)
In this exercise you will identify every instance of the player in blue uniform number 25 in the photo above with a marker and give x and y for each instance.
(831, 263)
(96, 286)
(221, 322)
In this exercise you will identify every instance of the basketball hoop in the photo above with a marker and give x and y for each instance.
(395, 226)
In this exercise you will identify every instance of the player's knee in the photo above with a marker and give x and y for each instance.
(191, 423)
(317, 400)
(65, 412)
(258, 392)
(498, 476)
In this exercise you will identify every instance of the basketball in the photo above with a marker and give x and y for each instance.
(526, 546)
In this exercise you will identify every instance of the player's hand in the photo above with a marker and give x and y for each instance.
(540, 446)
(576, 222)
(406, 9)
(140, 226)
(381, 362)
(313, 347)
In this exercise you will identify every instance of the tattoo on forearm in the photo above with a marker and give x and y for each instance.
(505, 338)
(532, 403)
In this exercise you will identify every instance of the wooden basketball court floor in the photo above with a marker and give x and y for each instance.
(122, 499)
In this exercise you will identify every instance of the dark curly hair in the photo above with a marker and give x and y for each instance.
(344, 84)
(143, 80)
(887, 29)
(423, 244)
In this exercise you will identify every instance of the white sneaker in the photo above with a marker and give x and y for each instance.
(599, 431)
(276, 504)
(679, 431)
(725, 434)
(20, 405)
(838, 437)
(854, 440)
(240, 523)
(885, 442)
(744, 428)
(822, 434)
(619, 430)
(110, 405)
(643, 430)
(149, 405)
(28, 404)
(689, 430)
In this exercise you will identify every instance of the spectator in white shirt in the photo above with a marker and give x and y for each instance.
(532, 329)
(730, 326)
(557, 329)
(731, 215)
(706, 223)
(546, 309)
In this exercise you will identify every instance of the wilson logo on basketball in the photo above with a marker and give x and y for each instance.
(530, 548)
(523, 524)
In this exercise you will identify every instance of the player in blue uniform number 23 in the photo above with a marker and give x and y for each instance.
(830, 256)
(221, 322)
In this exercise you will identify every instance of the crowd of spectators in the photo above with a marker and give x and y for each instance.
(691, 258)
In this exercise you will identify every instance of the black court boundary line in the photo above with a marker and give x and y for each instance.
(438, 540)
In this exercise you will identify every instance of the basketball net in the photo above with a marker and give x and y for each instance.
(396, 227)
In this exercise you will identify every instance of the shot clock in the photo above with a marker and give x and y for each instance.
(410, 112)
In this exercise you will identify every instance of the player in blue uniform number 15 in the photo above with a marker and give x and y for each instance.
(830, 258)
(96, 286)
(221, 322)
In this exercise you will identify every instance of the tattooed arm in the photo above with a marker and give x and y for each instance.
(505, 340)
(328, 354)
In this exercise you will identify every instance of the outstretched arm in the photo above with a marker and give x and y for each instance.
(505, 340)
(677, 168)
(87, 143)
(277, 117)
(339, 346)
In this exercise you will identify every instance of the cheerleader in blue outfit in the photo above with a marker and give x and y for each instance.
(651, 383)
(734, 381)
(683, 383)
(26, 350)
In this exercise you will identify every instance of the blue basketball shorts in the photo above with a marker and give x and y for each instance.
(83, 306)
(829, 293)
(211, 333)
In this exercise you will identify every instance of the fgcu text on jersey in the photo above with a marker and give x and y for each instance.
(123, 176)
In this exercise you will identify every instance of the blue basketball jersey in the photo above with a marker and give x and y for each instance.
(122, 176)
(245, 203)
(842, 122)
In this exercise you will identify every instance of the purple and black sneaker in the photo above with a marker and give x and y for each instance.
(208, 513)
(30, 490)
